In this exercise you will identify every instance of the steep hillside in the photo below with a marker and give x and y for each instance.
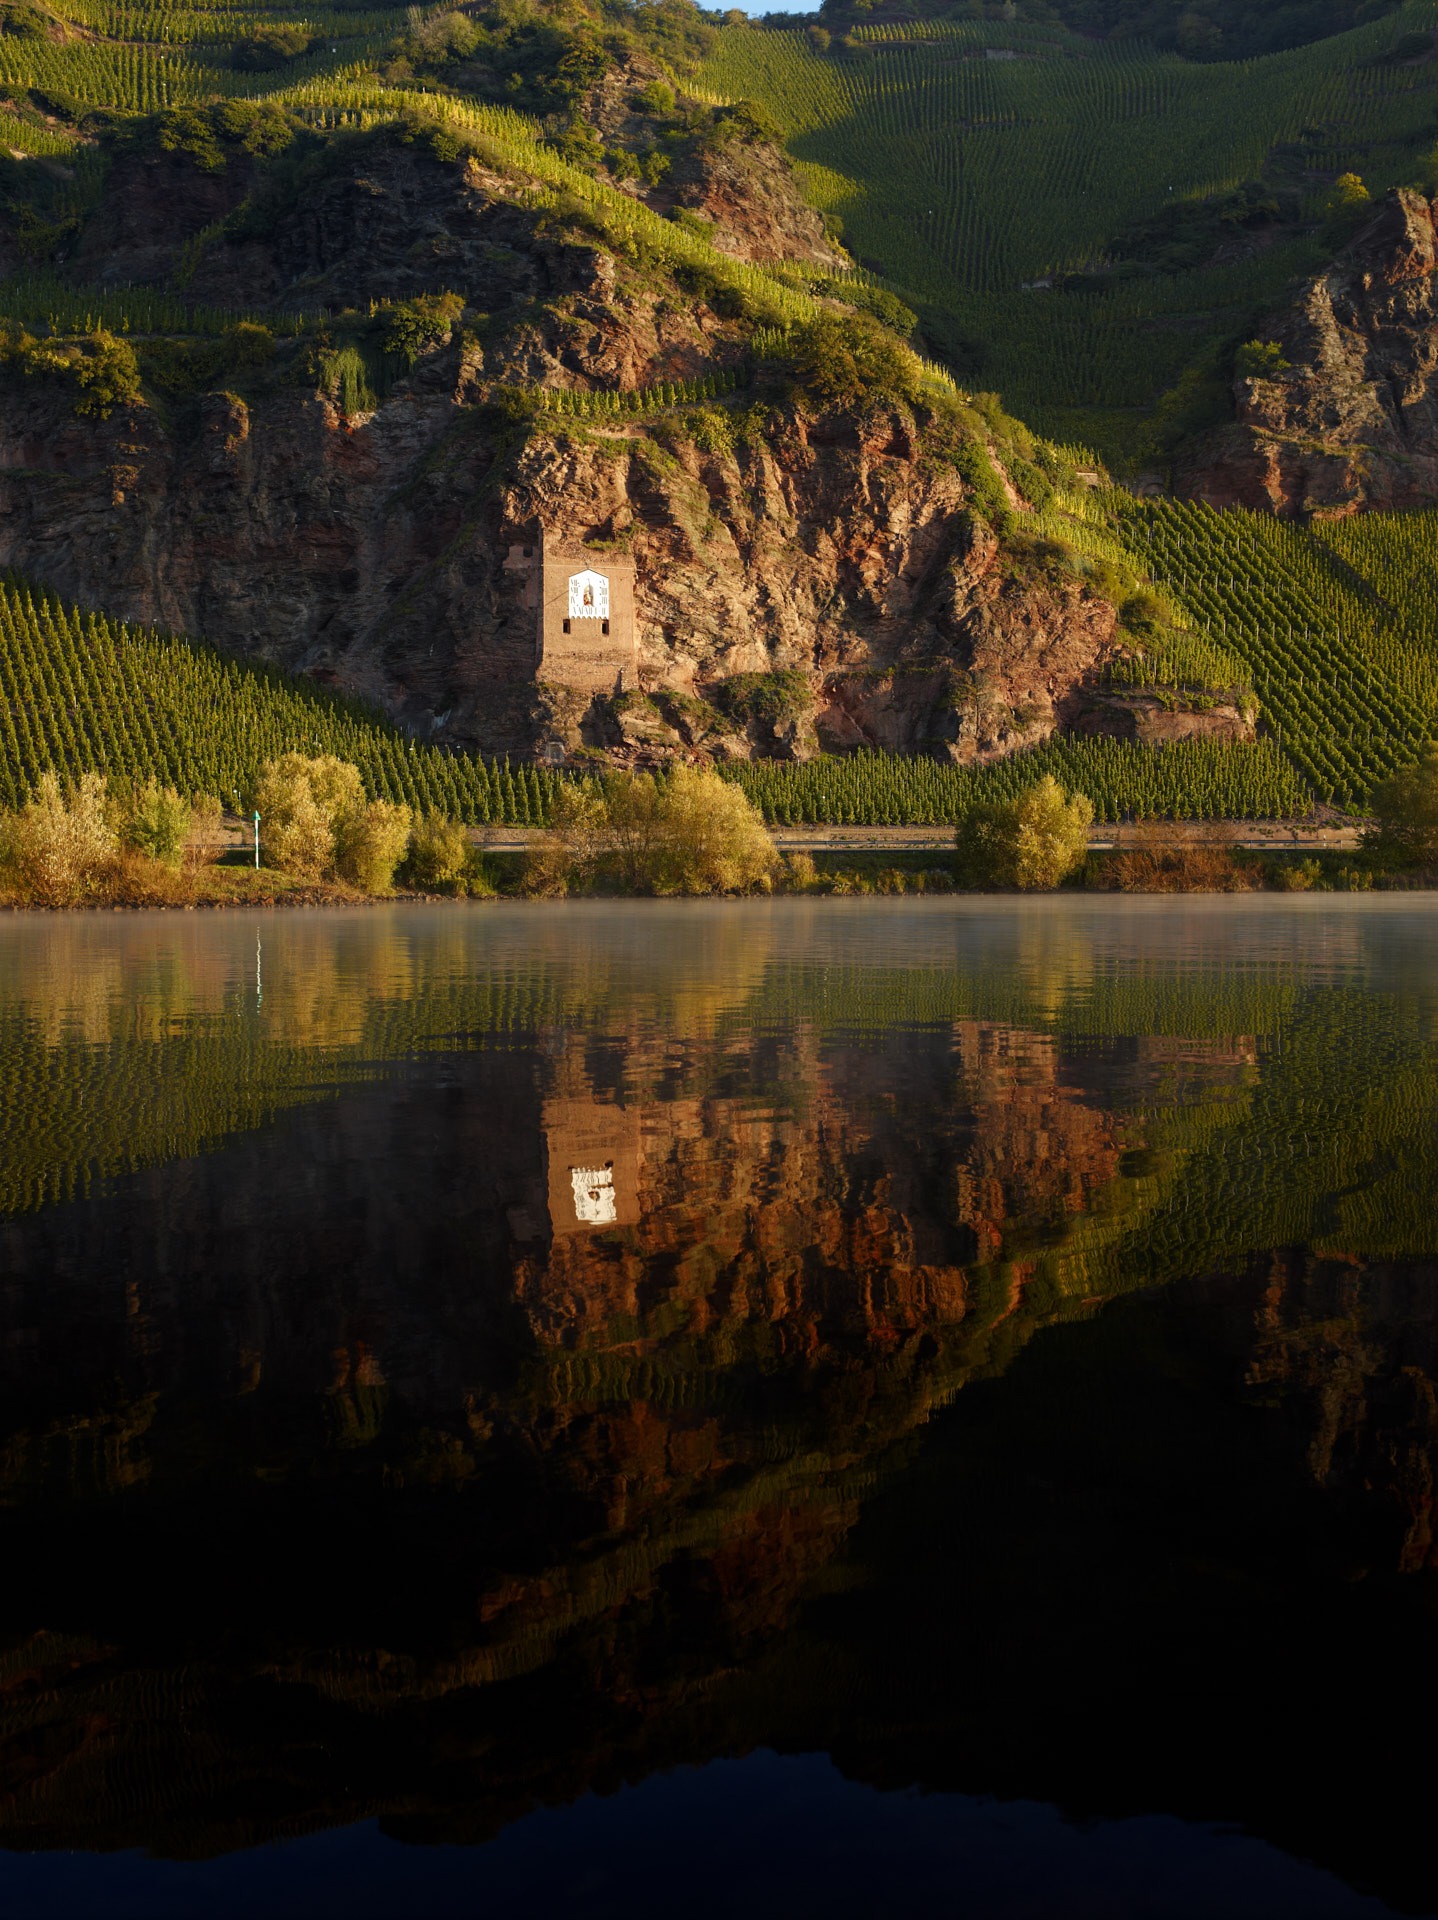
(1088, 225)
(315, 392)
(319, 364)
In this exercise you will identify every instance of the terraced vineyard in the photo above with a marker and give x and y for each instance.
(81, 693)
(1347, 674)
(144, 59)
(1192, 779)
(1396, 555)
(969, 162)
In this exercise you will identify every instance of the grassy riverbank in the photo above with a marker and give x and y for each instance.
(148, 883)
(835, 874)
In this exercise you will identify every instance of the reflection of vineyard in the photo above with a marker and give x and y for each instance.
(116, 1059)
(694, 1405)
(432, 1450)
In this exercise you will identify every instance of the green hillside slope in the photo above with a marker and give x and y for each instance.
(974, 165)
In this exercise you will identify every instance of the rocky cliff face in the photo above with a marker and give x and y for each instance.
(1353, 420)
(840, 548)
(359, 532)
(744, 187)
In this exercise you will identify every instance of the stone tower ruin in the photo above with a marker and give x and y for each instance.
(586, 619)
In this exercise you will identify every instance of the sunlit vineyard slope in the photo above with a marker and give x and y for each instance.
(975, 164)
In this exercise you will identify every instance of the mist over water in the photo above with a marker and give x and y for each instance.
(803, 1406)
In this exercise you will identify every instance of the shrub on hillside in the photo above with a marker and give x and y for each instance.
(886, 307)
(102, 369)
(1347, 192)
(1345, 206)
(710, 429)
(415, 327)
(844, 360)
(198, 366)
(57, 847)
(768, 698)
(1032, 842)
(741, 120)
(1259, 360)
(270, 48)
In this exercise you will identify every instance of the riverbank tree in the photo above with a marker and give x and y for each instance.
(1033, 841)
(316, 823)
(685, 832)
(1405, 814)
(57, 846)
(90, 843)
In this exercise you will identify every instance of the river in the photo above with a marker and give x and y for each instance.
(805, 1407)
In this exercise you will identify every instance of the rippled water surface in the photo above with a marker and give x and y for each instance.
(786, 1409)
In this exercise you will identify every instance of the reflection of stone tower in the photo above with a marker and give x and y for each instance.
(586, 620)
(593, 1154)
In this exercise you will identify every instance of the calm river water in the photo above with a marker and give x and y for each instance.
(778, 1409)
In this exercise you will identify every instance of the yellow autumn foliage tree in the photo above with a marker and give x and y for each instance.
(688, 831)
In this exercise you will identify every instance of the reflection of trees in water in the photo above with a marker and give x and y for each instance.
(95, 1009)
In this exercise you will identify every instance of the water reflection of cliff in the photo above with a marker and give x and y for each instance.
(574, 1368)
